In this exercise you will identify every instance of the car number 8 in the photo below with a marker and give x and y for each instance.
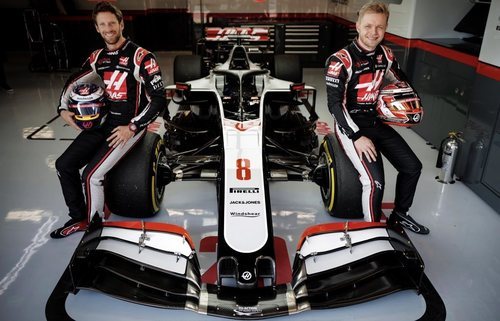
(243, 172)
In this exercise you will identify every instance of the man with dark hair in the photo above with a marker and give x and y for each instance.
(106, 7)
(135, 96)
(354, 76)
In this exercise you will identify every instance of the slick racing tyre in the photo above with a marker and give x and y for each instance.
(340, 187)
(132, 187)
(288, 67)
(187, 68)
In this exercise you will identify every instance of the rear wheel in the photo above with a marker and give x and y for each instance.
(132, 187)
(340, 187)
(187, 68)
(288, 67)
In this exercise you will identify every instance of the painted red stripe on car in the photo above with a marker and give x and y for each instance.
(335, 227)
(153, 226)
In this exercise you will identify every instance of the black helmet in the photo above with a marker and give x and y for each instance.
(87, 101)
(399, 105)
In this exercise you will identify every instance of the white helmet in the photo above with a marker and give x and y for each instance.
(87, 102)
(399, 105)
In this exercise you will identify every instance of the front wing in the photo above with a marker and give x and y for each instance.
(155, 264)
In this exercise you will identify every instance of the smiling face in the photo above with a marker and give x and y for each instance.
(107, 25)
(371, 30)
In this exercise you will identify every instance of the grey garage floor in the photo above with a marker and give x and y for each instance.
(461, 253)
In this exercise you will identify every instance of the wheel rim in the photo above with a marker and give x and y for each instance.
(156, 188)
(326, 186)
(328, 193)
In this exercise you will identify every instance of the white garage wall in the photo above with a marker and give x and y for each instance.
(490, 49)
(413, 18)
(436, 19)
(401, 19)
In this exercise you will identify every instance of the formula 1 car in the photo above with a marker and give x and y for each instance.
(242, 126)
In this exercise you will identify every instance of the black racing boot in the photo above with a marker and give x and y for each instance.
(408, 222)
(70, 227)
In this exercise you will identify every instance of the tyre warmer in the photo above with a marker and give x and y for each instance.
(155, 264)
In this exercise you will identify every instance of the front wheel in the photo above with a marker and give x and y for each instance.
(132, 187)
(340, 186)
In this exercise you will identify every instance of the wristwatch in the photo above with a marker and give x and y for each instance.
(132, 127)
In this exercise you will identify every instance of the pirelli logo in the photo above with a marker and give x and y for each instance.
(244, 190)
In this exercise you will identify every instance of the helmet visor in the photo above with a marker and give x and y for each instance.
(87, 111)
(405, 104)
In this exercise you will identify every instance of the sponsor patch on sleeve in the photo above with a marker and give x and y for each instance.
(388, 53)
(334, 69)
(94, 55)
(151, 66)
(156, 82)
(344, 56)
(139, 55)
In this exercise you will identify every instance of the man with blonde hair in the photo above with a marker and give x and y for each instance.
(354, 76)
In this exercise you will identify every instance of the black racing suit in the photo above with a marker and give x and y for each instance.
(135, 93)
(353, 79)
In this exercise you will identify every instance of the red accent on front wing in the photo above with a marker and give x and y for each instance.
(335, 227)
(208, 244)
(283, 267)
(210, 275)
(152, 226)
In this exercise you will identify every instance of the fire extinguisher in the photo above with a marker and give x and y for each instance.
(447, 157)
